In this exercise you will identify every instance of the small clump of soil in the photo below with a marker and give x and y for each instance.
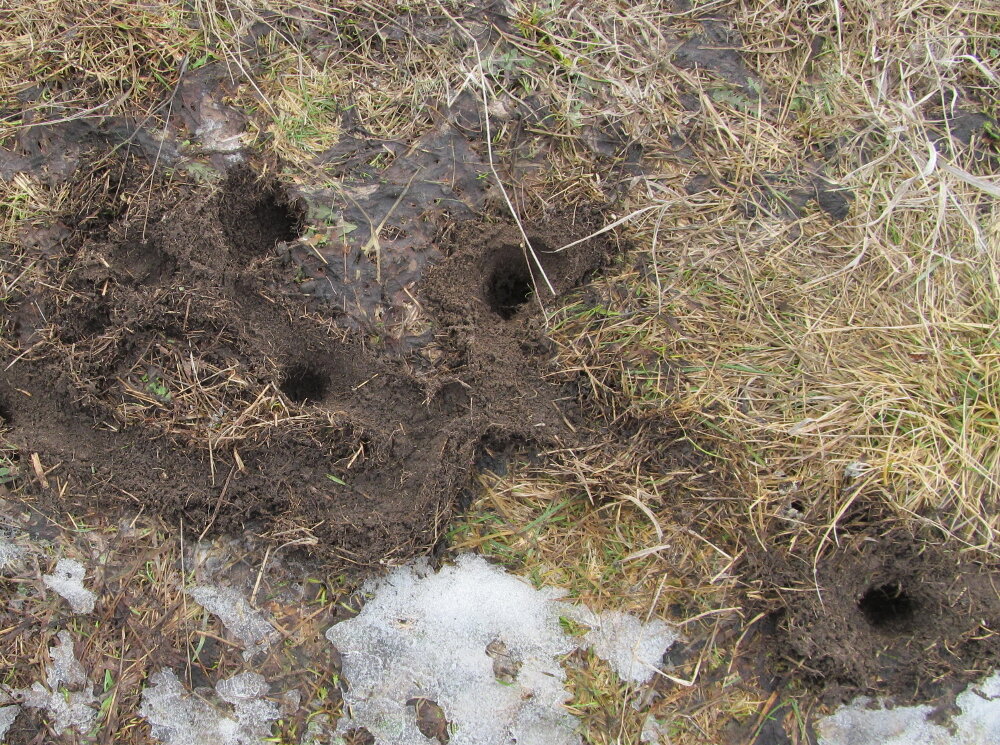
(168, 362)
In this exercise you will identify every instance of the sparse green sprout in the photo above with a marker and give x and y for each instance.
(571, 627)
(156, 387)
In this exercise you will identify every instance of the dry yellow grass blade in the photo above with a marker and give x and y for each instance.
(819, 344)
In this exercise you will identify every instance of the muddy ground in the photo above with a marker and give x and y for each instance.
(888, 610)
(166, 361)
(169, 357)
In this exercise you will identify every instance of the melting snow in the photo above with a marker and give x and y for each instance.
(179, 717)
(858, 724)
(7, 716)
(66, 708)
(9, 555)
(238, 616)
(655, 731)
(425, 635)
(67, 580)
(632, 648)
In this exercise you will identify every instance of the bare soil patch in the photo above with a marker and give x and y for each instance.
(166, 362)
(894, 614)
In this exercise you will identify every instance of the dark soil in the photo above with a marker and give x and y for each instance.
(894, 615)
(166, 362)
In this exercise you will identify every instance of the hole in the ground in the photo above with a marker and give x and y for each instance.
(887, 607)
(6, 418)
(510, 285)
(302, 383)
(256, 218)
(274, 220)
(82, 322)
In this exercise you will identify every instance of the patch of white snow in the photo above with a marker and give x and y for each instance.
(65, 707)
(860, 724)
(238, 616)
(9, 554)
(7, 716)
(632, 648)
(436, 636)
(179, 717)
(67, 580)
(654, 731)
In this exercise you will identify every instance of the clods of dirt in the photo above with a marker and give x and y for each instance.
(168, 361)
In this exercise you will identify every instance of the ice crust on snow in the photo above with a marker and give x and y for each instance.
(67, 580)
(425, 635)
(179, 717)
(238, 616)
(65, 706)
(859, 724)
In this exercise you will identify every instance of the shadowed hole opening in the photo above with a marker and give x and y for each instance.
(509, 285)
(278, 220)
(6, 418)
(302, 383)
(256, 217)
(887, 607)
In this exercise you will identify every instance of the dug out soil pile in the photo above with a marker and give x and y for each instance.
(165, 358)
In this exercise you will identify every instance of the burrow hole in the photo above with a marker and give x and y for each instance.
(6, 418)
(888, 607)
(256, 217)
(509, 285)
(275, 219)
(302, 383)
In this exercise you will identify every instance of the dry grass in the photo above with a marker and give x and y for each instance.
(810, 364)
(66, 59)
(832, 363)
(818, 344)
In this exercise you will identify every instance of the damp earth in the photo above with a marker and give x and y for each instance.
(178, 366)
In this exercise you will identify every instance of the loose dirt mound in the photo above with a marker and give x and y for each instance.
(891, 614)
(167, 362)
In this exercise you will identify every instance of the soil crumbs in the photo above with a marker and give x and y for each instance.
(887, 611)
(167, 362)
